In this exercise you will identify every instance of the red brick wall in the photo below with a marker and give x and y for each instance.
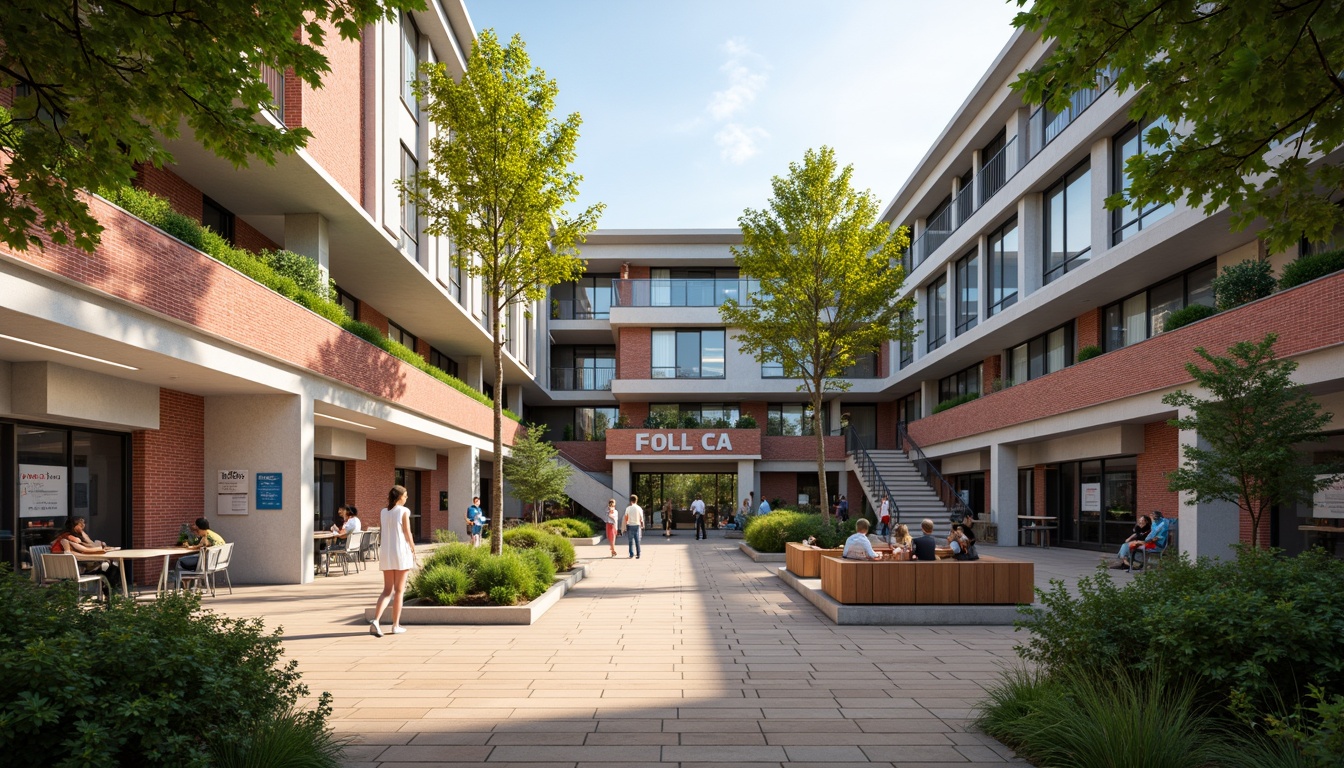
(367, 314)
(1087, 329)
(637, 272)
(1161, 454)
(247, 237)
(422, 348)
(778, 485)
(1244, 529)
(436, 481)
(294, 89)
(1155, 364)
(183, 197)
(854, 493)
(1038, 490)
(634, 354)
(887, 416)
(590, 455)
(780, 448)
(635, 413)
(333, 113)
(167, 476)
(992, 369)
(367, 482)
(757, 411)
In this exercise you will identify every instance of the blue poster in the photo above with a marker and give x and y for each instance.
(270, 490)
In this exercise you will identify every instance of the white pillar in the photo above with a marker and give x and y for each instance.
(1003, 492)
(746, 481)
(1031, 241)
(464, 482)
(474, 372)
(1207, 529)
(306, 234)
(513, 399)
(1100, 188)
(620, 481)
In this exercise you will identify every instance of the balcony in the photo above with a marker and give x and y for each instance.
(568, 309)
(275, 80)
(582, 379)
(688, 292)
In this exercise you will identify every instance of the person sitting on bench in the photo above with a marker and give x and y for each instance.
(857, 546)
(925, 547)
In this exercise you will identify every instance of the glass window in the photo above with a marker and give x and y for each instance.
(936, 306)
(1199, 285)
(907, 345)
(1145, 313)
(1068, 223)
(442, 362)
(1017, 364)
(593, 423)
(793, 419)
(1163, 299)
(968, 292)
(217, 218)
(400, 335)
(349, 303)
(961, 383)
(911, 407)
(410, 212)
(410, 61)
(1128, 221)
(1003, 267)
(1051, 351)
(681, 354)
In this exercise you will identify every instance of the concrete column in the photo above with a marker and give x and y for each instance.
(1031, 242)
(976, 160)
(746, 482)
(1003, 492)
(620, 481)
(1101, 187)
(264, 433)
(306, 234)
(464, 482)
(1017, 128)
(1207, 529)
(928, 396)
(473, 370)
(513, 398)
(836, 409)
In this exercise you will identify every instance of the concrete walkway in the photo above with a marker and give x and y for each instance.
(691, 655)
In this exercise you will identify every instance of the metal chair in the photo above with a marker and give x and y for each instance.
(1157, 554)
(35, 554)
(349, 554)
(66, 568)
(209, 559)
(225, 556)
(369, 546)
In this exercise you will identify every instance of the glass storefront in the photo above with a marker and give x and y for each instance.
(329, 493)
(1096, 501)
(410, 480)
(48, 473)
(717, 489)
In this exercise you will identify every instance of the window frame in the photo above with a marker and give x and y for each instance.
(677, 335)
(1141, 218)
(1035, 360)
(399, 334)
(410, 43)
(994, 266)
(1208, 267)
(1080, 173)
(936, 313)
(967, 271)
(410, 210)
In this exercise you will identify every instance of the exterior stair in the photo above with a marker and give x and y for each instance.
(590, 490)
(914, 500)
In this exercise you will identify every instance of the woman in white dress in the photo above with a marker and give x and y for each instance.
(396, 558)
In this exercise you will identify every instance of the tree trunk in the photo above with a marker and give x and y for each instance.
(821, 455)
(497, 475)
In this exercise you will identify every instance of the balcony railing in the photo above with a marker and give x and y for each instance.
(678, 292)
(568, 309)
(582, 379)
(275, 80)
(1043, 126)
(997, 170)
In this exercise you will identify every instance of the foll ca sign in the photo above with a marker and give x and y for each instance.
(681, 441)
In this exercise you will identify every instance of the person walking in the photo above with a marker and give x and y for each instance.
(884, 517)
(844, 509)
(698, 510)
(633, 523)
(611, 525)
(396, 558)
(667, 519)
(475, 521)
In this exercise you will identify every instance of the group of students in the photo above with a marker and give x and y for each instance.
(74, 539)
(961, 540)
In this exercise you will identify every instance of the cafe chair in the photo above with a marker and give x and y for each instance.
(226, 554)
(35, 557)
(349, 554)
(1143, 557)
(66, 568)
(206, 565)
(368, 548)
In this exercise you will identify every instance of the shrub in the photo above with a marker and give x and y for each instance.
(1259, 626)
(296, 739)
(954, 402)
(1188, 315)
(571, 527)
(445, 536)
(745, 421)
(510, 569)
(65, 700)
(504, 594)
(299, 268)
(536, 537)
(529, 573)
(444, 584)
(1308, 268)
(1242, 283)
(1087, 353)
(769, 533)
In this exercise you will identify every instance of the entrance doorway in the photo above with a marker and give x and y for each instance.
(328, 492)
(717, 489)
(410, 480)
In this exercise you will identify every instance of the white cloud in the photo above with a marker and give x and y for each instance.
(746, 78)
(739, 143)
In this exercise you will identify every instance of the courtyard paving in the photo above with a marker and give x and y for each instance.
(692, 655)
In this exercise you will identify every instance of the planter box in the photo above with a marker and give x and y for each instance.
(901, 615)
(593, 542)
(414, 613)
(804, 561)
(761, 557)
(986, 581)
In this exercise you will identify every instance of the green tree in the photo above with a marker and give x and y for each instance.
(534, 471)
(829, 273)
(1252, 90)
(1251, 423)
(101, 85)
(497, 184)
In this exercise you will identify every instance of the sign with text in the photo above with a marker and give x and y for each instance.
(270, 490)
(1091, 497)
(231, 492)
(683, 443)
(1329, 501)
(42, 491)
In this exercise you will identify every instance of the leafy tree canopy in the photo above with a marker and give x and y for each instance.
(534, 469)
(1252, 422)
(100, 85)
(1252, 89)
(830, 280)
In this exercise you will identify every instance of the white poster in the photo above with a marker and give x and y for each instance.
(1091, 497)
(42, 491)
(1329, 501)
(231, 492)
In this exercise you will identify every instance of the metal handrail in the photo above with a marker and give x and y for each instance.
(956, 508)
(868, 470)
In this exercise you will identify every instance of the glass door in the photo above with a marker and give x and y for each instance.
(410, 480)
(328, 492)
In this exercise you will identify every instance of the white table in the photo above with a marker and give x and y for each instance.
(122, 555)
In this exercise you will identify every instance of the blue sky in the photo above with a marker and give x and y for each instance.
(690, 107)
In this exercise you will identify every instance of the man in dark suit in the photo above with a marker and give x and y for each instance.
(925, 545)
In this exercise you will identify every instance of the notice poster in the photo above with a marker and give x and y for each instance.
(1091, 497)
(1329, 501)
(270, 490)
(43, 491)
(231, 492)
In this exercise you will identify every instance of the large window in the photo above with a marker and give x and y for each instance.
(592, 423)
(582, 368)
(688, 354)
(908, 344)
(968, 291)
(1144, 314)
(691, 415)
(442, 362)
(1068, 223)
(1003, 267)
(964, 382)
(410, 212)
(348, 302)
(910, 408)
(1128, 221)
(793, 419)
(1051, 351)
(936, 312)
(588, 298)
(217, 218)
(401, 335)
(410, 61)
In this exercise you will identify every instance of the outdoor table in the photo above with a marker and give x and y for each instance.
(122, 555)
(319, 554)
(1037, 524)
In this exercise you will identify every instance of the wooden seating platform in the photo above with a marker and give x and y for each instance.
(987, 581)
(805, 562)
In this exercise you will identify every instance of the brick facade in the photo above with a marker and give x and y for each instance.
(778, 485)
(337, 143)
(991, 372)
(246, 236)
(183, 197)
(589, 455)
(1161, 454)
(634, 353)
(367, 482)
(368, 314)
(167, 476)
(1087, 329)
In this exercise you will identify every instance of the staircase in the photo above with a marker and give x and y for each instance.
(913, 499)
(590, 490)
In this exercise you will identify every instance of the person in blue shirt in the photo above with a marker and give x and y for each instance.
(1156, 540)
(475, 521)
(765, 508)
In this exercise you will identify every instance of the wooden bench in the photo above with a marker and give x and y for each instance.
(804, 561)
(987, 581)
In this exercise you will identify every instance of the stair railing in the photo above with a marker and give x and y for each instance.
(956, 507)
(869, 472)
